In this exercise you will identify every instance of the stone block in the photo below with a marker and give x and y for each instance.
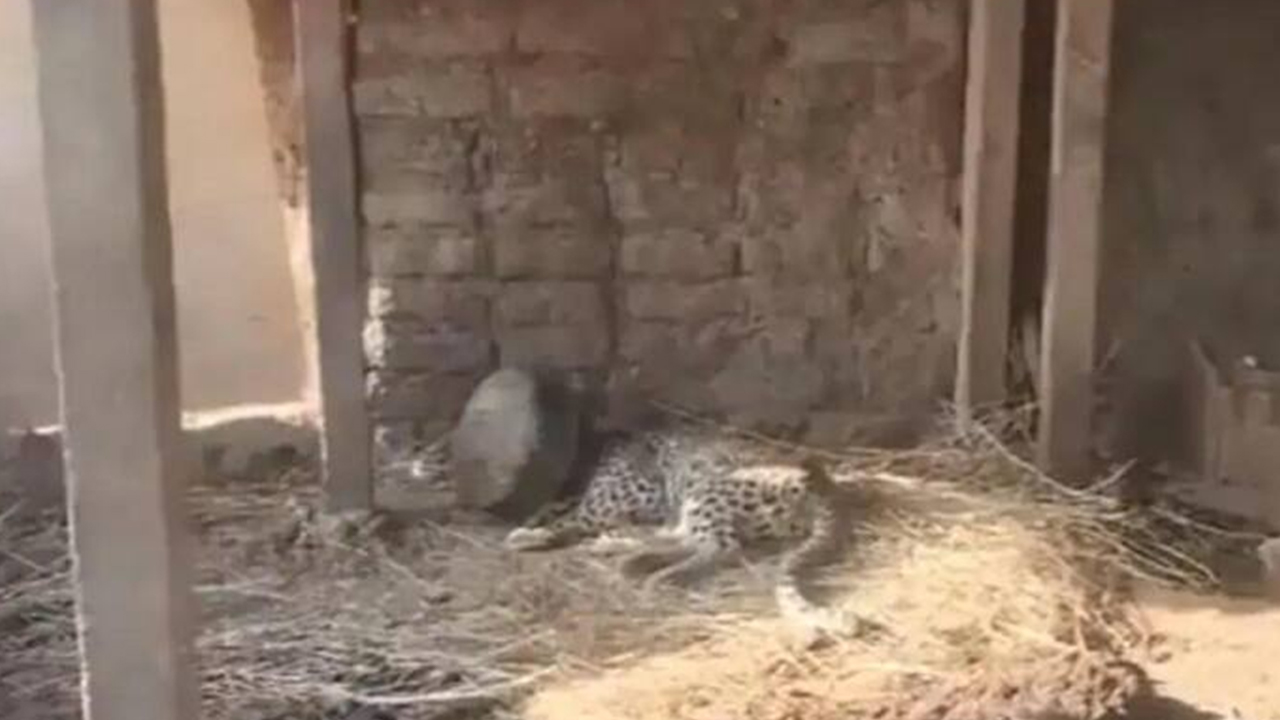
(396, 251)
(773, 189)
(452, 92)
(551, 254)
(650, 202)
(439, 348)
(781, 103)
(555, 346)
(800, 253)
(557, 89)
(516, 442)
(666, 150)
(570, 28)
(396, 144)
(427, 205)
(643, 340)
(397, 181)
(694, 349)
(606, 29)
(878, 36)
(678, 254)
(770, 297)
(677, 301)
(550, 303)
(534, 153)
(561, 201)
(658, 150)
(936, 36)
(382, 11)
(757, 385)
(431, 301)
(457, 92)
(397, 395)
(848, 90)
(437, 35)
(786, 338)
(385, 97)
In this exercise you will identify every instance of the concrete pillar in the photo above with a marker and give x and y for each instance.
(102, 115)
(990, 184)
(1082, 72)
(336, 257)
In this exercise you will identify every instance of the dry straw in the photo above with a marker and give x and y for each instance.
(965, 559)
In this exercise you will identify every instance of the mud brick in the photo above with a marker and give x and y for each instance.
(607, 29)
(457, 92)
(396, 395)
(559, 346)
(385, 97)
(396, 251)
(551, 253)
(691, 302)
(768, 297)
(440, 33)
(443, 92)
(561, 201)
(799, 253)
(654, 202)
(537, 151)
(879, 36)
(935, 39)
(678, 254)
(645, 340)
(550, 303)
(557, 89)
(426, 205)
(441, 348)
(430, 301)
(436, 149)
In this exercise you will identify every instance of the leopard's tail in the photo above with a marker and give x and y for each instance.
(828, 535)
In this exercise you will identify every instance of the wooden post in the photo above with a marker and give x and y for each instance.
(987, 214)
(101, 106)
(322, 42)
(1081, 73)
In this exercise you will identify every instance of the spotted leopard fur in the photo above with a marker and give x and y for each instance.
(710, 504)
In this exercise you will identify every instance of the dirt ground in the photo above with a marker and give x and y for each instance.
(1218, 654)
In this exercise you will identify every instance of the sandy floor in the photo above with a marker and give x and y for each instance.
(1220, 655)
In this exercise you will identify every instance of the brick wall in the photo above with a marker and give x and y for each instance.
(745, 206)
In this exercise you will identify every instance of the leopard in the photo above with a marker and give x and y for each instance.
(709, 505)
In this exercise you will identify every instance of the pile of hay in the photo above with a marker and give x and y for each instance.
(967, 566)
(985, 590)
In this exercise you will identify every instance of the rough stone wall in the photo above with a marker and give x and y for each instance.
(1192, 231)
(747, 206)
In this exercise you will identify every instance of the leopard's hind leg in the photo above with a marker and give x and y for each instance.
(606, 507)
(698, 561)
(660, 553)
(556, 526)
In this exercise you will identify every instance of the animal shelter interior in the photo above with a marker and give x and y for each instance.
(548, 359)
(1189, 247)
